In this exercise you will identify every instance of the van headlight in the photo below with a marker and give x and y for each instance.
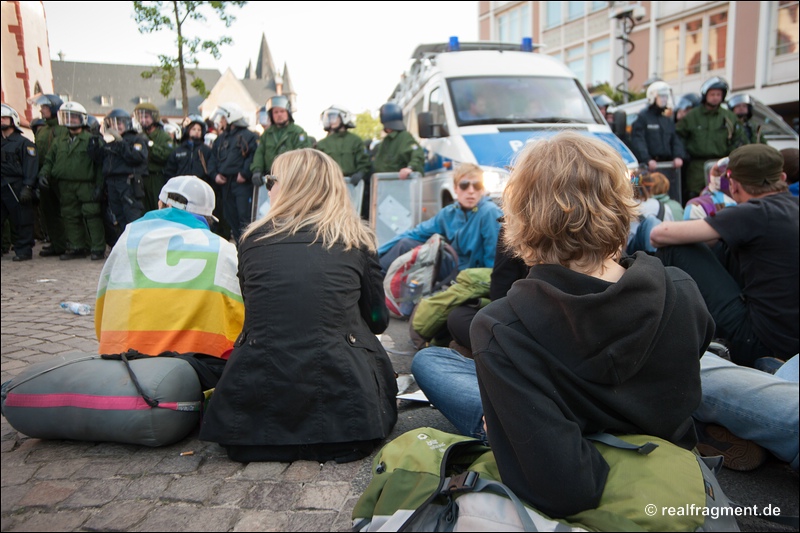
(495, 181)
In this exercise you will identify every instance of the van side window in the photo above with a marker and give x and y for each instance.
(436, 106)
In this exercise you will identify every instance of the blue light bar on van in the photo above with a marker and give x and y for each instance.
(454, 45)
(527, 44)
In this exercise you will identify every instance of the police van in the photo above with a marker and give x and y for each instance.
(482, 102)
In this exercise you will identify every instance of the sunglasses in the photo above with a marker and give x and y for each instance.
(270, 181)
(476, 184)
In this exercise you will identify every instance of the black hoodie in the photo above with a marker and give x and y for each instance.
(566, 355)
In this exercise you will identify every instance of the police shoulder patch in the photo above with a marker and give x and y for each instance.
(137, 146)
(149, 143)
(31, 151)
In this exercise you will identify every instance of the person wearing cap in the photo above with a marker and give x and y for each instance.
(709, 131)
(17, 183)
(170, 284)
(749, 279)
(398, 151)
(159, 148)
(282, 136)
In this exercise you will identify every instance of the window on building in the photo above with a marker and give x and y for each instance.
(515, 24)
(574, 10)
(37, 88)
(786, 29)
(597, 6)
(144, 100)
(553, 10)
(576, 62)
(179, 103)
(600, 62)
(64, 97)
(694, 47)
(106, 100)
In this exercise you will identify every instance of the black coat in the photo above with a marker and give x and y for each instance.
(653, 136)
(307, 368)
(566, 355)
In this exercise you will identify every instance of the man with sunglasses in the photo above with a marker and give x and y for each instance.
(749, 279)
(470, 225)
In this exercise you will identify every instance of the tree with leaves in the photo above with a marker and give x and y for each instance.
(368, 126)
(173, 16)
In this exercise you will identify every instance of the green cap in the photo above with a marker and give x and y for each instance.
(756, 164)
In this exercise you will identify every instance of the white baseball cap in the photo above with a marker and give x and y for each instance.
(198, 193)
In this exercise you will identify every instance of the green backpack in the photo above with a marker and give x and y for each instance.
(429, 480)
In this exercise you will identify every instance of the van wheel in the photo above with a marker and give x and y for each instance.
(446, 199)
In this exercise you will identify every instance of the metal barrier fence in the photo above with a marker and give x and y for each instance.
(260, 206)
(395, 204)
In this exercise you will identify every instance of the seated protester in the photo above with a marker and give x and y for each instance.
(558, 358)
(169, 284)
(470, 224)
(657, 186)
(791, 160)
(713, 198)
(749, 279)
(753, 408)
(651, 213)
(308, 379)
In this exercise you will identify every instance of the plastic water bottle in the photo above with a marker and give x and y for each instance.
(411, 294)
(77, 308)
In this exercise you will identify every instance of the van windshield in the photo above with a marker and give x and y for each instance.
(519, 100)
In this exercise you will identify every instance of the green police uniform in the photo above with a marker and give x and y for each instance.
(753, 132)
(348, 150)
(275, 141)
(399, 150)
(79, 181)
(49, 204)
(159, 148)
(708, 134)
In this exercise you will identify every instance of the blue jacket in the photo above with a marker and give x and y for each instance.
(472, 234)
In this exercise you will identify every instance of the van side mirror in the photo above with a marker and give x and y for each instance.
(620, 124)
(429, 130)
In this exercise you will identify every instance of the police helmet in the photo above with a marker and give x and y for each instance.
(50, 101)
(279, 101)
(9, 111)
(233, 114)
(601, 100)
(716, 82)
(72, 115)
(189, 121)
(173, 129)
(737, 99)
(650, 81)
(262, 117)
(149, 109)
(392, 116)
(327, 117)
(659, 93)
(93, 124)
(36, 124)
(118, 117)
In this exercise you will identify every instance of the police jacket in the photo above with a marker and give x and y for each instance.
(710, 133)
(125, 157)
(233, 153)
(46, 135)
(191, 158)
(19, 160)
(753, 133)
(275, 141)
(654, 137)
(69, 160)
(398, 150)
(348, 150)
(159, 148)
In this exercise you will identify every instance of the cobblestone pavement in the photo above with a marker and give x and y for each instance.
(82, 486)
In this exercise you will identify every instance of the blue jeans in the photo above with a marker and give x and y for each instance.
(450, 382)
(752, 404)
(641, 238)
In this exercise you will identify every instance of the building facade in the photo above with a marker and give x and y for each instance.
(753, 45)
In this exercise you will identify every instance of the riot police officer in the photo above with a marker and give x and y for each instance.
(283, 135)
(80, 184)
(398, 151)
(742, 107)
(231, 159)
(159, 148)
(49, 203)
(17, 182)
(124, 164)
(653, 136)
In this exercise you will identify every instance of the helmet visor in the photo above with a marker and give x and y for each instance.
(331, 118)
(71, 119)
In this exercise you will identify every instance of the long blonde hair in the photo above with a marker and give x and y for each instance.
(569, 201)
(313, 195)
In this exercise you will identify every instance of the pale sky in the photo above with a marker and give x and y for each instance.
(343, 53)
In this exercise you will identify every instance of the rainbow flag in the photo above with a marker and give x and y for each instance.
(169, 284)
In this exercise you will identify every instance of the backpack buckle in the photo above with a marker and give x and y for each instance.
(464, 482)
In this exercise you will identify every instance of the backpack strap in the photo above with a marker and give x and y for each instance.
(660, 215)
(471, 482)
(616, 442)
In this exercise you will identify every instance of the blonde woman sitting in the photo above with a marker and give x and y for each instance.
(307, 379)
